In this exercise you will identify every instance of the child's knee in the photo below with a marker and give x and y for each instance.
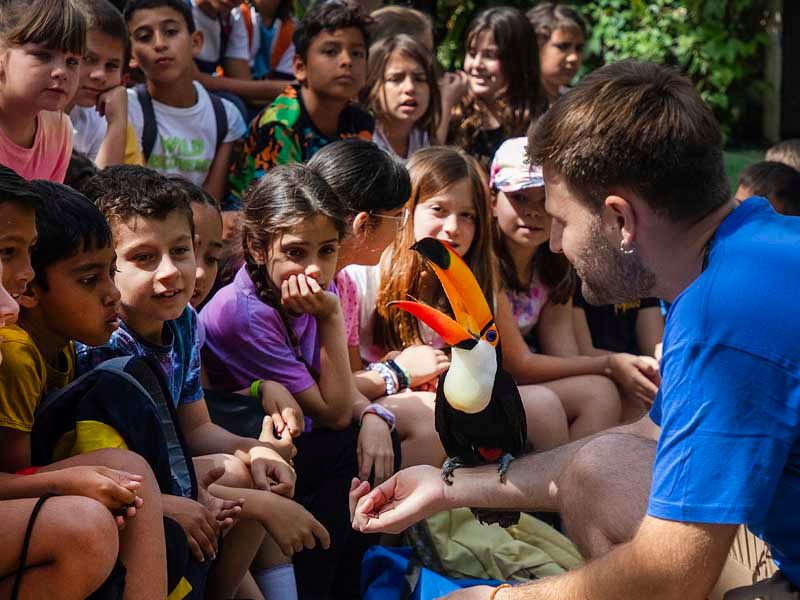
(89, 525)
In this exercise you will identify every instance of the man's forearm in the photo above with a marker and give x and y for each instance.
(532, 480)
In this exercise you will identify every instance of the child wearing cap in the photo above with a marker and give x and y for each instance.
(538, 286)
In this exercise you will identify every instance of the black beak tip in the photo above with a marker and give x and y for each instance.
(433, 250)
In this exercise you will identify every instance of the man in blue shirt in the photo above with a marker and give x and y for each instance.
(637, 190)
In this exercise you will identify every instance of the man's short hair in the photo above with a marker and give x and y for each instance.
(786, 152)
(68, 224)
(15, 190)
(124, 192)
(639, 126)
(329, 16)
(180, 6)
(776, 181)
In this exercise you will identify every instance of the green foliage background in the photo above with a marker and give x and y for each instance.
(718, 43)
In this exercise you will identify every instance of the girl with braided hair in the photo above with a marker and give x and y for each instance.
(280, 320)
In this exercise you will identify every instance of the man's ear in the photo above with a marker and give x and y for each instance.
(31, 296)
(620, 216)
(299, 69)
(360, 227)
(197, 42)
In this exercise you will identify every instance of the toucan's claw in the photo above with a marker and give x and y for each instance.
(449, 466)
(502, 468)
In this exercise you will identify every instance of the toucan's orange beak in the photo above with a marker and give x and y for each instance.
(447, 329)
(465, 295)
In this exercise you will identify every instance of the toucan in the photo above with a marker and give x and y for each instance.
(479, 414)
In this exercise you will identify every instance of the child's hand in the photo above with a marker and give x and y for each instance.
(225, 511)
(199, 525)
(113, 105)
(636, 375)
(375, 449)
(270, 471)
(116, 490)
(303, 294)
(453, 87)
(283, 443)
(292, 526)
(423, 363)
(279, 403)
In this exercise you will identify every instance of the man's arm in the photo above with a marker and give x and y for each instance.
(418, 492)
(666, 560)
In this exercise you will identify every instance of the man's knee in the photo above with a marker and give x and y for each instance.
(607, 484)
(89, 525)
(237, 474)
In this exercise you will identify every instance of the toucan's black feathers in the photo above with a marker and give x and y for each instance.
(434, 251)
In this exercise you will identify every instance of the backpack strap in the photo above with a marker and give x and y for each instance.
(220, 117)
(282, 42)
(149, 125)
(247, 18)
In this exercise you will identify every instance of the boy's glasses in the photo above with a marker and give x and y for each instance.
(401, 219)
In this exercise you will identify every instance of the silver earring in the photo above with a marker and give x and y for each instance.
(625, 250)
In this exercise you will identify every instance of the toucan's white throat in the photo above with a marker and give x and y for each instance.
(470, 380)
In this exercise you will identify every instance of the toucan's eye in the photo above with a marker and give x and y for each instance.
(491, 336)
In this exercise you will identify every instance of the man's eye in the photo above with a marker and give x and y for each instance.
(90, 280)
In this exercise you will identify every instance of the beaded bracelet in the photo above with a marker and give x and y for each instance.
(379, 411)
(403, 380)
(388, 376)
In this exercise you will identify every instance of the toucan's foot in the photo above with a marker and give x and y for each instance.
(450, 465)
(502, 469)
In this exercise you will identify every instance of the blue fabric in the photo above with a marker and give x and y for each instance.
(179, 355)
(729, 401)
(383, 577)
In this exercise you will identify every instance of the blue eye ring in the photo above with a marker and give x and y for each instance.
(491, 336)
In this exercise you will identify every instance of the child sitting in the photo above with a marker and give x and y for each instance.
(231, 36)
(73, 262)
(404, 95)
(43, 42)
(561, 35)
(505, 94)
(777, 182)
(537, 292)
(449, 201)
(184, 130)
(330, 63)
(99, 110)
(278, 320)
(153, 233)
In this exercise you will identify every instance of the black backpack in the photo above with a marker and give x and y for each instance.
(150, 126)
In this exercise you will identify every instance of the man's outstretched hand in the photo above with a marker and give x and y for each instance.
(409, 496)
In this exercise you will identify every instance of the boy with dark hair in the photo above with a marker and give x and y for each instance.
(152, 225)
(99, 110)
(777, 182)
(184, 130)
(73, 262)
(330, 63)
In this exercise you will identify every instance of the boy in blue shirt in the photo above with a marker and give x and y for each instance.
(153, 232)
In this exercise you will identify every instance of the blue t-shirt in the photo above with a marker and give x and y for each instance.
(179, 355)
(729, 401)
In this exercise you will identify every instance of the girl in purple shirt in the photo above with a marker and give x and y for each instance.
(280, 320)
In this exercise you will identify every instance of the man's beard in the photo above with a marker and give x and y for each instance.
(608, 276)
